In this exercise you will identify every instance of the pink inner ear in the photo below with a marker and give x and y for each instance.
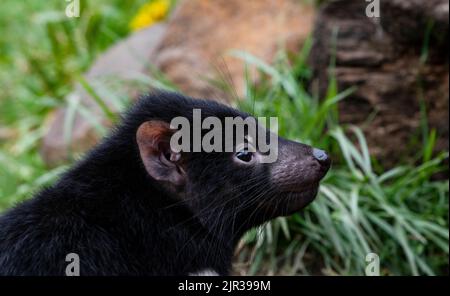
(153, 139)
(152, 136)
(175, 156)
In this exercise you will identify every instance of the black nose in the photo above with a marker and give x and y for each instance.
(321, 156)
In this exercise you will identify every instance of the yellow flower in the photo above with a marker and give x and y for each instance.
(150, 13)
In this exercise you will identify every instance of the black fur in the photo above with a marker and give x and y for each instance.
(120, 221)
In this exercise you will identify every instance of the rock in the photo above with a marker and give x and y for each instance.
(121, 63)
(201, 34)
(384, 58)
(420, 13)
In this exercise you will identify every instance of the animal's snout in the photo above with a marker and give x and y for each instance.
(322, 157)
(299, 166)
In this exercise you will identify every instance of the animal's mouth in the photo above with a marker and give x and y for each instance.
(302, 189)
(297, 199)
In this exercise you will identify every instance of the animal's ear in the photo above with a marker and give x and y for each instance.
(153, 138)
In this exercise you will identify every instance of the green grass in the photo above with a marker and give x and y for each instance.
(401, 213)
(44, 54)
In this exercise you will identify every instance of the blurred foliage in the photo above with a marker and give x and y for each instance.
(43, 55)
(401, 214)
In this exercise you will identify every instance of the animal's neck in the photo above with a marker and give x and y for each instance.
(174, 231)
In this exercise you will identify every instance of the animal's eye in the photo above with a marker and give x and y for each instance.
(244, 155)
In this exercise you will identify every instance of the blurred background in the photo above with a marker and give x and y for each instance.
(365, 80)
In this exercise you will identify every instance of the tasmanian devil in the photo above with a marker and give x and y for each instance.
(133, 206)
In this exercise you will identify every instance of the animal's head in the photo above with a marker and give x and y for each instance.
(236, 188)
